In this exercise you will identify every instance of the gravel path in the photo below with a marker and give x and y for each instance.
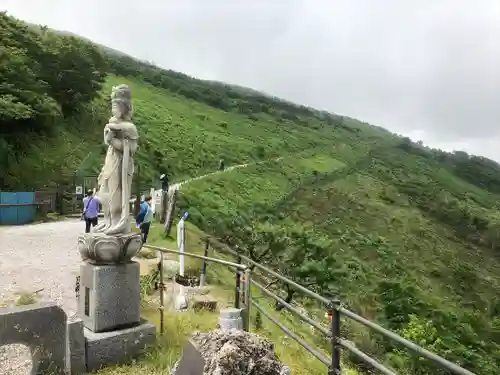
(40, 256)
(34, 257)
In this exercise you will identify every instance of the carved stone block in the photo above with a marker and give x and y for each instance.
(99, 248)
(110, 296)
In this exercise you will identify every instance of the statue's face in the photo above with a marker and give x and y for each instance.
(115, 109)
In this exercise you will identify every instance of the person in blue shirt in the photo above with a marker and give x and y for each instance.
(91, 206)
(145, 217)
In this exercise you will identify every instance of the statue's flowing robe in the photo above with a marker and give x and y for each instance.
(115, 179)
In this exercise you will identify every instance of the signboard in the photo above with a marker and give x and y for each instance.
(79, 190)
(158, 194)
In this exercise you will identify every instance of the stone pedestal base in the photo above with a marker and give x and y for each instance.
(110, 296)
(117, 347)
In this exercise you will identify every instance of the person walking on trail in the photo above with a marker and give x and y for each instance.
(91, 206)
(145, 217)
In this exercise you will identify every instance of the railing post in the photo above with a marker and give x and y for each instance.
(162, 302)
(203, 275)
(334, 367)
(247, 298)
(237, 286)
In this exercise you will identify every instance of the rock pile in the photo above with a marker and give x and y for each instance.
(236, 352)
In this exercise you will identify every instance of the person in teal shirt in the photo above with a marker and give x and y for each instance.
(145, 217)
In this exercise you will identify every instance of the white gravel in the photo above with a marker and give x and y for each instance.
(34, 257)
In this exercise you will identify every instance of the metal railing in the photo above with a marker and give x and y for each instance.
(237, 266)
(335, 309)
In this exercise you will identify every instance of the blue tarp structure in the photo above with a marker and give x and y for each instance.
(22, 210)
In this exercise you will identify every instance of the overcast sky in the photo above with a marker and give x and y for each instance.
(429, 69)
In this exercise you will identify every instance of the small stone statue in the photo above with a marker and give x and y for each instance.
(108, 239)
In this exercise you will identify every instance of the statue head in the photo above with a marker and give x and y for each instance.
(121, 103)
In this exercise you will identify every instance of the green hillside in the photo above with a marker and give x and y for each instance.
(399, 237)
(403, 234)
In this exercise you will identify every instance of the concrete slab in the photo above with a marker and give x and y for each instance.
(41, 327)
(117, 347)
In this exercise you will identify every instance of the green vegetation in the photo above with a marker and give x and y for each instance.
(403, 234)
(400, 237)
(24, 299)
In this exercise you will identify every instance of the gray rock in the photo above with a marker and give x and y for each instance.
(236, 352)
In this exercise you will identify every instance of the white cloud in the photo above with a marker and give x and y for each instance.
(427, 66)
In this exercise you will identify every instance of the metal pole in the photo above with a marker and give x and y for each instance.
(238, 282)
(161, 287)
(203, 275)
(247, 296)
(334, 367)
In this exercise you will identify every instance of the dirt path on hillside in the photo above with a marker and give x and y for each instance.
(178, 185)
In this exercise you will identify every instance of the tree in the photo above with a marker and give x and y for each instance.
(75, 70)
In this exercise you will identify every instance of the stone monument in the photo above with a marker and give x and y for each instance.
(109, 302)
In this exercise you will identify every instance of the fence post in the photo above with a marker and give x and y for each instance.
(169, 216)
(162, 302)
(238, 282)
(163, 206)
(203, 275)
(334, 367)
(60, 200)
(247, 298)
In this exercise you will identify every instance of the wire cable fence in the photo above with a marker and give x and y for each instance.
(245, 274)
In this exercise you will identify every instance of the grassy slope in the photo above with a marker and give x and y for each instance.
(187, 137)
(394, 258)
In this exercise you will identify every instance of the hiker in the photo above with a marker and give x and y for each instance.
(145, 217)
(164, 181)
(221, 164)
(91, 205)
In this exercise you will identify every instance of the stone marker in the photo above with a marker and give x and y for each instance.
(41, 327)
(109, 298)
